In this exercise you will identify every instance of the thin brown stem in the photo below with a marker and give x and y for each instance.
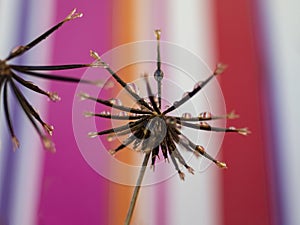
(137, 189)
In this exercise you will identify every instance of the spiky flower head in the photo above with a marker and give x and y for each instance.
(151, 129)
(10, 78)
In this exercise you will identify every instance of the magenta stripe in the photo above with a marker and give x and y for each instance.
(72, 193)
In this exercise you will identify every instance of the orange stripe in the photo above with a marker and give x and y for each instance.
(123, 32)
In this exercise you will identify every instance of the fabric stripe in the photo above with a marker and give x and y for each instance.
(280, 20)
(151, 204)
(11, 159)
(246, 182)
(196, 200)
(264, 25)
(7, 41)
(261, 78)
(30, 157)
(72, 193)
(123, 32)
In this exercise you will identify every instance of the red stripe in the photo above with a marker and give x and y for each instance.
(245, 184)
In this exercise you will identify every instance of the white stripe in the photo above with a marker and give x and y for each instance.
(145, 208)
(196, 200)
(281, 25)
(9, 17)
(29, 170)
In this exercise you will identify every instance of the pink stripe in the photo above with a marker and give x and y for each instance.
(72, 193)
(159, 22)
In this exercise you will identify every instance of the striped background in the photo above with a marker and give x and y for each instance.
(259, 40)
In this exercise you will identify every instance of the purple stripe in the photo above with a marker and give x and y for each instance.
(12, 158)
(270, 113)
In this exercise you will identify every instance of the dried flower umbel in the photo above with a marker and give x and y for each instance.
(9, 78)
(151, 130)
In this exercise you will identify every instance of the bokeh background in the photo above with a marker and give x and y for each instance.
(259, 40)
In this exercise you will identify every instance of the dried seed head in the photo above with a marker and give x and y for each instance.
(10, 75)
(146, 134)
(145, 122)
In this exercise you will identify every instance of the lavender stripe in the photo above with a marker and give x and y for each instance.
(11, 158)
(270, 105)
(283, 55)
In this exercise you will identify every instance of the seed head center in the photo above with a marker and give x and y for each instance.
(4, 68)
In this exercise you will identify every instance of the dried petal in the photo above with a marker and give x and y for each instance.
(49, 128)
(221, 165)
(93, 134)
(73, 15)
(220, 68)
(48, 144)
(16, 143)
(53, 96)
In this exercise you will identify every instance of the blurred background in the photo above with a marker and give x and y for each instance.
(259, 40)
